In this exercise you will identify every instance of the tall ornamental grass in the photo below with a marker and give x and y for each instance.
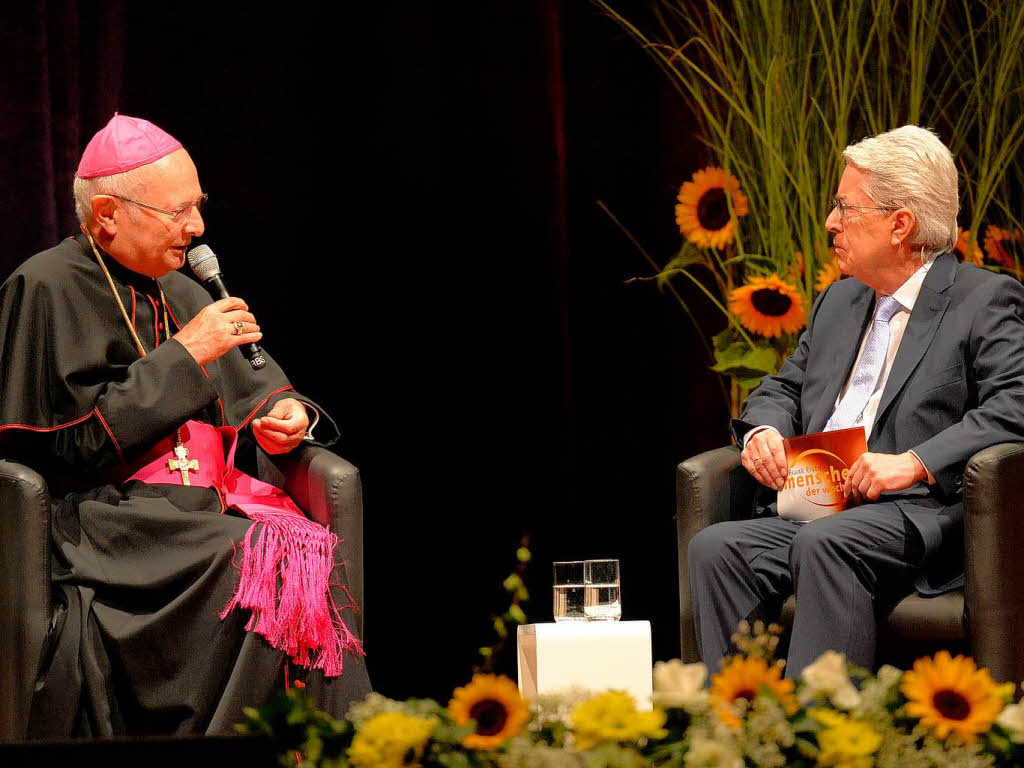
(779, 88)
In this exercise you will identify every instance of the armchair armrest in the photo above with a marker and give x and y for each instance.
(994, 570)
(24, 590)
(710, 488)
(329, 490)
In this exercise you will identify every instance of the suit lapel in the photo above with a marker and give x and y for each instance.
(921, 327)
(847, 342)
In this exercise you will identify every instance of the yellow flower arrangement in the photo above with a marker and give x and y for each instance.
(768, 306)
(742, 678)
(613, 716)
(952, 696)
(494, 704)
(703, 211)
(391, 740)
(845, 742)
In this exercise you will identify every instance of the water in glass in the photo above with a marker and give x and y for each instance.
(568, 591)
(601, 601)
(569, 602)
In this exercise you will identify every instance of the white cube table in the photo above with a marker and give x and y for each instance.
(594, 655)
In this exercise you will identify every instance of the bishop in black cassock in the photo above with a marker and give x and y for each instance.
(89, 388)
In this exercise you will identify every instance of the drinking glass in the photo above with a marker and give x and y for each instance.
(601, 600)
(568, 592)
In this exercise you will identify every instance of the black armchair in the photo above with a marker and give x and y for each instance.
(985, 618)
(326, 486)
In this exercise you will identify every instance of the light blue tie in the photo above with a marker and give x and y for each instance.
(869, 368)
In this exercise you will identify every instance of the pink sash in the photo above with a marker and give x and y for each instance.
(286, 562)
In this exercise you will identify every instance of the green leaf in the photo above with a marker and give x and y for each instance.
(449, 733)
(687, 257)
(522, 594)
(485, 651)
(454, 760)
(741, 362)
(749, 384)
(523, 555)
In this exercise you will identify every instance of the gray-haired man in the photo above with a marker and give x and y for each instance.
(928, 355)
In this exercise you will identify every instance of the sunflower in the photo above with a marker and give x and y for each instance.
(742, 678)
(963, 240)
(828, 273)
(951, 695)
(1001, 245)
(494, 703)
(768, 306)
(703, 212)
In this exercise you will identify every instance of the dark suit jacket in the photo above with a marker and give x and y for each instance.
(956, 386)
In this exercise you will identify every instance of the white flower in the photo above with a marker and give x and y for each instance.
(1012, 720)
(828, 676)
(678, 685)
(889, 675)
(705, 753)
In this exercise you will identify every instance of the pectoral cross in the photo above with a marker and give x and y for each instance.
(182, 464)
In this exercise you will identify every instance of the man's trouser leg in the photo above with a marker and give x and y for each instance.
(738, 570)
(849, 571)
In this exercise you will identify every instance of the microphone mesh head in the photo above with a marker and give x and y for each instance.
(203, 262)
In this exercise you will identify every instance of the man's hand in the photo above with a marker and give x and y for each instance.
(765, 458)
(874, 473)
(212, 332)
(283, 428)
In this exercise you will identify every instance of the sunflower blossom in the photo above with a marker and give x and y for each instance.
(391, 740)
(828, 273)
(769, 306)
(494, 704)
(952, 696)
(703, 212)
(613, 717)
(743, 678)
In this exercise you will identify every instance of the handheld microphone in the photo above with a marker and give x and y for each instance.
(204, 263)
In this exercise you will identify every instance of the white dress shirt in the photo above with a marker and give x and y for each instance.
(906, 295)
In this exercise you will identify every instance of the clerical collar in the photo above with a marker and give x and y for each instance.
(117, 270)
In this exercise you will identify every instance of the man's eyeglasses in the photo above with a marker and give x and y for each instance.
(177, 214)
(843, 207)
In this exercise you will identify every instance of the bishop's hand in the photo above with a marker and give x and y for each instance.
(217, 329)
(283, 427)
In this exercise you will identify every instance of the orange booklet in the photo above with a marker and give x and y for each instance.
(819, 464)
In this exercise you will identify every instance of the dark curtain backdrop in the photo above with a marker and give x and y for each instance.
(406, 195)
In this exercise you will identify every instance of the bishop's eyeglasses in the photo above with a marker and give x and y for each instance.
(178, 213)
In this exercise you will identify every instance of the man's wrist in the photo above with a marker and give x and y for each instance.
(754, 431)
(921, 473)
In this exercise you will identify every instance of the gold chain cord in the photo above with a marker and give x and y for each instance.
(120, 304)
(124, 312)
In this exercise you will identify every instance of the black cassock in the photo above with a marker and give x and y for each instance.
(141, 572)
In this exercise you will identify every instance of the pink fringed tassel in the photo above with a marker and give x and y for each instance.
(303, 619)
